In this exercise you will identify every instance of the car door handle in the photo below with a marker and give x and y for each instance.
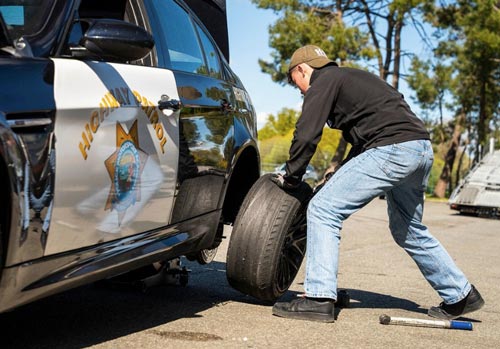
(166, 103)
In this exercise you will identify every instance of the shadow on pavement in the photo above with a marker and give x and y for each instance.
(93, 314)
(366, 299)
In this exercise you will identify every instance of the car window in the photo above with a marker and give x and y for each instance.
(230, 76)
(25, 17)
(210, 54)
(136, 13)
(184, 50)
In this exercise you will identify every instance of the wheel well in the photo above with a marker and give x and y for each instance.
(245, 173)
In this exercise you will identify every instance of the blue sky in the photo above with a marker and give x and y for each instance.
(249, 41)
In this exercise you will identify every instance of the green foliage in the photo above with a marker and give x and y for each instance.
(470, 42)
(276, 136)
(465, 64)
(274, 151)
(279, 125)
(306, 22)
(430, 81)
(437, 167)
(326, 149)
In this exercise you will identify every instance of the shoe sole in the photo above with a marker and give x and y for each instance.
(319, 317)
(439, 314)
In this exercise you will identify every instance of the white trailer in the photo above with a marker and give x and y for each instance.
(479, 192)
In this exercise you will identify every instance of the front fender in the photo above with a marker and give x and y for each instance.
(15, 163)
(27, 225)
(244, 170)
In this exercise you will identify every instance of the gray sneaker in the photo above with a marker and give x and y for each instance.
(471, 303)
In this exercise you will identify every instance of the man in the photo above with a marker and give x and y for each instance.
(391, 154)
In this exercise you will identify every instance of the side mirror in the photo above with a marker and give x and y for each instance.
(114, 40)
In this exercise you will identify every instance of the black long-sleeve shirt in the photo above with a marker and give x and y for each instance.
(368, 111)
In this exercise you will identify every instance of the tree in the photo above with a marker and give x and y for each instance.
(311, 22)
(445, 177)
(323, 23)
(473, 43)
(431, 83)
(279, 125)
(470, 45)
(386, 37)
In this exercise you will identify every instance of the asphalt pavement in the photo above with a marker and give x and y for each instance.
(208, 313)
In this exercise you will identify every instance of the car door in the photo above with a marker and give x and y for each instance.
(116, 152)
(206, 119)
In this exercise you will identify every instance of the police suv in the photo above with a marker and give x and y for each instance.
(126, 142)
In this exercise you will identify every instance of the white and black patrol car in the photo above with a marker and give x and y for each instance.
(127, 141)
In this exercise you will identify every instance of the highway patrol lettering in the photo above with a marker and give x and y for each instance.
(116, 98)
(152, 113)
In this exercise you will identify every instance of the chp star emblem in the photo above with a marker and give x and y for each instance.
(125, 167)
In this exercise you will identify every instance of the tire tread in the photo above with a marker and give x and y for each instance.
(258, 236)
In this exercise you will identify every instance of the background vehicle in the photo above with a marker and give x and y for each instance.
(479, 192)
(125, 139)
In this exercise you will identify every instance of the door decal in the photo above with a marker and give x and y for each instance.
(117, 153)
(125, 167)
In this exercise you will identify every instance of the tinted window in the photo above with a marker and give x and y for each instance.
(210, 54)
(135, 13)
(25, 17)
(229, 74)
(183, 47)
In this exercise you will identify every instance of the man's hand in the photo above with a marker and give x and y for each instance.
(325, 179)
(283, 183)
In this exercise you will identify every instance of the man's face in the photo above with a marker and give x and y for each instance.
(298, 77)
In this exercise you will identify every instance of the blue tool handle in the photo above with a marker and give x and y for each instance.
(461, 325)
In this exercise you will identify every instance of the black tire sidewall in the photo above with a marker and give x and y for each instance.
(258, 237)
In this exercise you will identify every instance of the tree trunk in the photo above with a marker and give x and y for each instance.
(373, 34)
(459, 166)
(482, 122)
(445, 177)
(397, 53)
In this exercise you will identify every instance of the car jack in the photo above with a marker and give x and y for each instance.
(169, 272)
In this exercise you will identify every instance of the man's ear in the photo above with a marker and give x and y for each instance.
(303, 69)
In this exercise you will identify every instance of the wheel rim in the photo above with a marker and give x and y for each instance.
(207, 255)
(292, 252)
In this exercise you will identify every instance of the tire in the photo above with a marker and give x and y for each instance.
(268, 241)
(206, 255)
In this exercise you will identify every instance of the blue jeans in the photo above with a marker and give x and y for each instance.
(401, 172)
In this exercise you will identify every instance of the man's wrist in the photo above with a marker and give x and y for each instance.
(292, 180)
(284, 183)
